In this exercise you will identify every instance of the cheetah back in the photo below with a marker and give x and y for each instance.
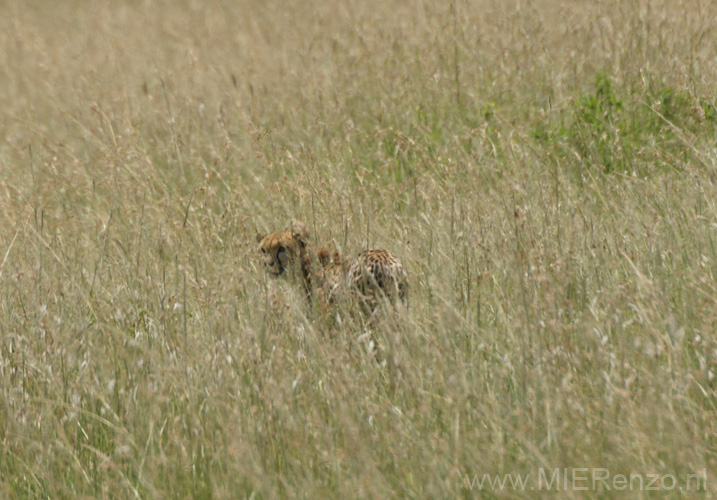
(378, 272)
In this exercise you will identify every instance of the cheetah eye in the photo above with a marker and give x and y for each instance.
(263, 250)
(280, 249)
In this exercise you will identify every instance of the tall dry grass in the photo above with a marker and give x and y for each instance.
(545, 171)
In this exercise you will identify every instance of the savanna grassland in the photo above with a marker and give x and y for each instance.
(545, 170)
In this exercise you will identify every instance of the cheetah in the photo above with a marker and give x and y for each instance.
(373, 274)
(284, 249)
(320, 270)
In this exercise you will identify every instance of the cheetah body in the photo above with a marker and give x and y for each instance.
(375, 274)
(370, 276)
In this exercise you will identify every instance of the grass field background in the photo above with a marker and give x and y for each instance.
(544, 169)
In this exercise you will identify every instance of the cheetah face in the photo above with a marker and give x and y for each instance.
(280, 251)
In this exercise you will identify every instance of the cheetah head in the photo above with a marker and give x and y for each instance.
(283, 250)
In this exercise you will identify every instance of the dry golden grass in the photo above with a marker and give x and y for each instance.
(545, 170)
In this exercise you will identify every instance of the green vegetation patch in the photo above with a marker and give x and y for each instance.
(615, 129)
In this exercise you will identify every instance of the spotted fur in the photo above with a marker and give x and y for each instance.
(290, 252)
(375, 274)
(281, 251)
(371, 276)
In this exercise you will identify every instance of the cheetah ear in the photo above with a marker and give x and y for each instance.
(300, 233)
(323, 255)
(336, 257)
(259, 237)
